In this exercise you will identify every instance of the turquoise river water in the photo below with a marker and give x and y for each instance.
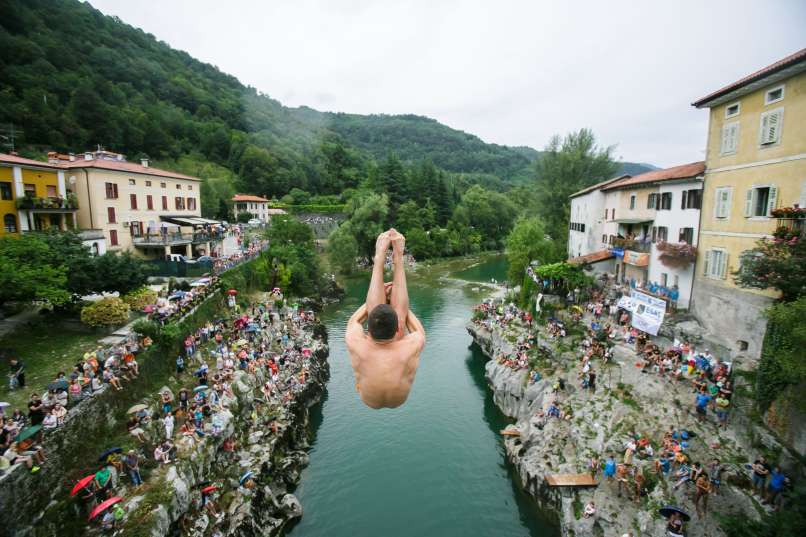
(433, 467)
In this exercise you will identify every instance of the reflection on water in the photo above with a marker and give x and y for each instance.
(434, 466)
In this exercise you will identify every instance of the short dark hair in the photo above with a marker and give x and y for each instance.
(382, 322)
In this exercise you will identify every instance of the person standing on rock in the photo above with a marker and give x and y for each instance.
(385, 359)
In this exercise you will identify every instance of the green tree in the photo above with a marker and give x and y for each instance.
(491, 214)
(244, 217)
(367, 220)
(777, 263)
(528, 242)
(566, 166)
(342, 249)
(420, 244)
(27, 273)
(408, 217)
(285, 229)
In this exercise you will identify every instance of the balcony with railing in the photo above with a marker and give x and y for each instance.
(175, 238)
(48, 204)
(792, 219)
(632, 244)
(676, 255)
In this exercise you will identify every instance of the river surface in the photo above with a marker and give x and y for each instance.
(433, 467)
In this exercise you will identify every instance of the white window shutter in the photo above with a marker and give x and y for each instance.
(764, 131)
(728, 201)
(772, 199)
(774, 126)
(734, 137)
(707, 262)
(724, 148)
(748, 202)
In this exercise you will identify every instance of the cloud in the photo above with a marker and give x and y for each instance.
(511, 72)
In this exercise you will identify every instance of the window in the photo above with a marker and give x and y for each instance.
(133, 201)
(148, 183)
(692, 199)
(665, 201)
(110, 215)
(111, 191)
(179, 187)
(30, 190)
(191, 204)
(136, 229)
(132, 182)
(716, 264)
(632, 202)
(743, 345)
(604, 238)
(662, 233)
(163, 185)
(190, 187)
(10, 223)
(724, 198)
(149, 202)
(760, 201)
(732, 110)
(675, 280)
(771, 124)
(113, 237)
(606, 213)
(5, 191)
(52, 191)
(686, 235)
(613, 214)
(774, 95)
(652, 201)
(664, 279)
(730, 138)
(179, 203)
(165, 203)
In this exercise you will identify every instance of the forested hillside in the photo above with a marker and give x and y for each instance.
(74, 78)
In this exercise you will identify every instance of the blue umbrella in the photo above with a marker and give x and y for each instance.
(200, 388)
(669, 510)
(246, 476)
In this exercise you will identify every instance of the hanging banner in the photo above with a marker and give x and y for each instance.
(647, 312)
(636, 258)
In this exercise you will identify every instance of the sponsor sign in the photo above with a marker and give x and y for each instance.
(647, 312)
(636, 258)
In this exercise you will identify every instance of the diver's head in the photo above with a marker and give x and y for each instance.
(382, 323)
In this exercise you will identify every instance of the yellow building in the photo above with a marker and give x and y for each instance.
(755, 163)
(34, 196)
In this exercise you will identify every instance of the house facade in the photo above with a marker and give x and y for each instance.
(255, 205)
(651, 224)
(756, 163)
(34, 196)
(135, 207)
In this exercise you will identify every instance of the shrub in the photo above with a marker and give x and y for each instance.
(140, 298)
(109, 311)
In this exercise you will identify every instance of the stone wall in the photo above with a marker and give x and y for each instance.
(731, 315)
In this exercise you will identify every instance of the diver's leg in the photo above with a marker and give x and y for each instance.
(399, 299)
(376, 294)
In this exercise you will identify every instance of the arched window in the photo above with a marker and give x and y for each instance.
(10, 223)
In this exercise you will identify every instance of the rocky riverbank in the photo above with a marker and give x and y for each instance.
(627, 403)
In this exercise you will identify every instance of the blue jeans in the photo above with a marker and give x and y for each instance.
(136, 479)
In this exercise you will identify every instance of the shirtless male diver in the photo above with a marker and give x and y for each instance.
(385, 358)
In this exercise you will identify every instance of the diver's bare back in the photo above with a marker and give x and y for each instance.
(384, 372)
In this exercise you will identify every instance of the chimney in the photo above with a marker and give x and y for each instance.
(144, 162)
(87, 156)
(53, 156)
(71, 157)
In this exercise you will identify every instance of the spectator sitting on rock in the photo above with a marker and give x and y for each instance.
(590, 509)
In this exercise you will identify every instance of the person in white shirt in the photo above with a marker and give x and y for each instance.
(168, 421)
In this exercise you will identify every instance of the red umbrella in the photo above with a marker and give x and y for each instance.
(103, 506)
(211, 488)
(81, 484)
(232, 292)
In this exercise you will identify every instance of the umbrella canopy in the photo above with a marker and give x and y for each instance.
(210, 488)
(27, 433)
(149, 308)
(669, 510)
(103, 506)
(137, 408)
(232, 292)
(246, 476)
(200, 388)
(102, 457)
(81, 484)
(4, 404)
(58, 385)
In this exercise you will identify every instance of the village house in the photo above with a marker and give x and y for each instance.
(148, 211)
(756, 165)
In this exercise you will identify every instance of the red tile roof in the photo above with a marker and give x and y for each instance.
(249, 197)
(14, 159)
(792, 59)
(597, 186)
(593, 257)
(683, 171)
(123, 166)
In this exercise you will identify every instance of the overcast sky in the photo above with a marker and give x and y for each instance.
(510, 72)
